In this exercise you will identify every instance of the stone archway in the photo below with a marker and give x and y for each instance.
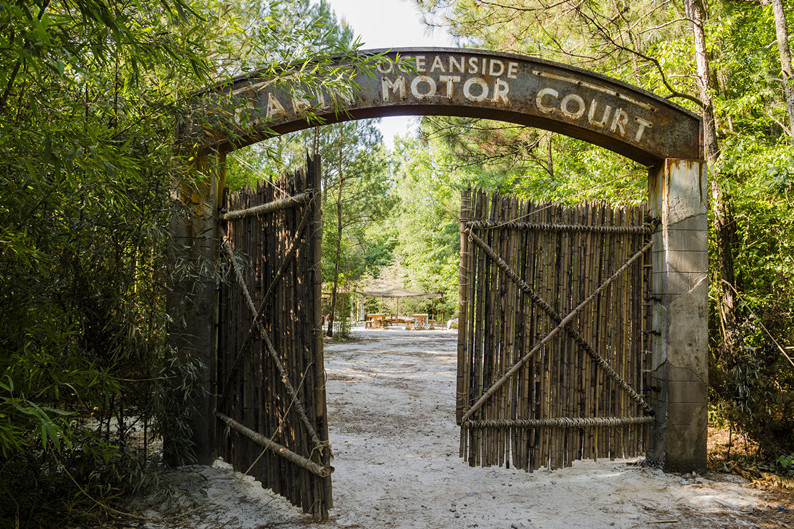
(524, 90)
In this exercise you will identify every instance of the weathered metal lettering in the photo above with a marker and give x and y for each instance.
(473, 83)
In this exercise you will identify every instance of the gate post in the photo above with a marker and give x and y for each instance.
(192, 308)
(677, 194)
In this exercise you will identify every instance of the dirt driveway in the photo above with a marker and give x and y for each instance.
(391, 406)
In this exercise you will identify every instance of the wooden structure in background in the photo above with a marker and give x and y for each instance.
(553, 349)
(271, 406)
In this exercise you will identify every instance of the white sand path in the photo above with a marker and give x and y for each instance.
(391, 400)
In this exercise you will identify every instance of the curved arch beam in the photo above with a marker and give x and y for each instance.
(457, 82)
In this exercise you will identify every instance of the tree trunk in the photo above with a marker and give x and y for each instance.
(550, 160)
(781, 30)
(694, 10)
(724, 222)
(725, 231)
(330, 330)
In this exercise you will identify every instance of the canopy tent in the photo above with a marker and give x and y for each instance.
(390, 288)
(394, 290)
(372, 291)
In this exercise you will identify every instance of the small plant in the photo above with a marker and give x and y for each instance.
(785, 464)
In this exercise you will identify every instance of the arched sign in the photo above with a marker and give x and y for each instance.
(458, 82)
(511, 88)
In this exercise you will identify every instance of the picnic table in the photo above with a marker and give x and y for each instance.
(420, 321)
(375, 321)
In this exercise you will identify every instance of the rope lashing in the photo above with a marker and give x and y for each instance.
(558, 422)
(299, 408)
(563, 324)
(645, 229)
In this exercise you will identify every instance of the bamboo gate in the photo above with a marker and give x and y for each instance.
(553, 335)
(269, 373)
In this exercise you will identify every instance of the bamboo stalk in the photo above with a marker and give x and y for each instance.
(488, 346)
(269, 207)
(475, 444)
(533, 368)
(315, 269)
(565, 226)
(609, 336)
(523, 325)
(595, 374)
(560, 422)
(462, 389)
(282, 451)
(500, 335)
(511, 396)
(556, 368)
(578, 291)
(566, 292)
(544, 367)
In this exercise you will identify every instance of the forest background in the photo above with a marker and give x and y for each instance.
(90, 91)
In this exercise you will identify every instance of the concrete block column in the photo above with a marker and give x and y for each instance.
(677, 195)
(192, 304)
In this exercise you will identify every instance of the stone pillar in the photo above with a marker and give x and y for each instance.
(192, 307)
(677, 194)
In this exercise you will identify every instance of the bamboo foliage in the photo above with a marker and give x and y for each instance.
(553, 328)
(271, 405)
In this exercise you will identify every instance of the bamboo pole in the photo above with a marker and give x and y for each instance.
(315, 270)
(545, 286)
(566, 290)
(533, 368)
(556, 368)
(523, 326)
(500, 338)
(554, 227)
(269, 207)
(476, 441)
(278, 449)
(560, 422)
(595, 374)
(462, 390)
(609, 411)
(577, 293)
(511, 396)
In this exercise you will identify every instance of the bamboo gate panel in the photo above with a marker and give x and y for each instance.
(553, 334)
(271, 405)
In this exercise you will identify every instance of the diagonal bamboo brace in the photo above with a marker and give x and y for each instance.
(282, 451)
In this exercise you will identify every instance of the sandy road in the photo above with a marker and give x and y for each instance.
(391, 408)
